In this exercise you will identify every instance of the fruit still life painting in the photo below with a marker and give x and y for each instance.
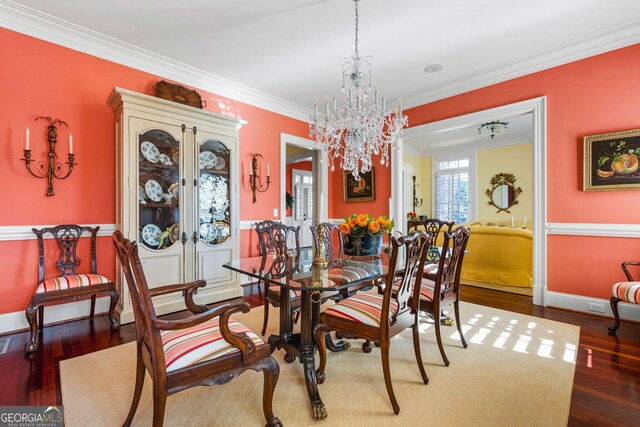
(360, 190)
(611, 161)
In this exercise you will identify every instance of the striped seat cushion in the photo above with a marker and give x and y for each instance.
(275, 290)
(426, 289)
(361, 308)
(430, 270)
(200, 343)
(627, 291)
(70, 282)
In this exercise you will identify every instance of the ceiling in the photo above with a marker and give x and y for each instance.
(290, 50)
(429, 140)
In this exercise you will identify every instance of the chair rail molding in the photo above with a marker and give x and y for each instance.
(23, 232)
(594, 229)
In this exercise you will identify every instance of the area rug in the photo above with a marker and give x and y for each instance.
(517, 370)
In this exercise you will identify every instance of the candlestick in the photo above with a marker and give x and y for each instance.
(512, 222)
(70, 143)
(525, 222)
(27, 139)
(255, 183)
(268, 170)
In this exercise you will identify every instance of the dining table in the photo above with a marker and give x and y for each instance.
(315, 281)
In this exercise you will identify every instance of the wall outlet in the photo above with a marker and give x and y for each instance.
(596, 308)
(275, 213)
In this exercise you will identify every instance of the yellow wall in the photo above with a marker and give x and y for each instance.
(517, 160)
(421, 168)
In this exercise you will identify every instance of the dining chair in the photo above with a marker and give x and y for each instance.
(378, 318)
(628, 291)
(444, 288)
(433, 226)
(69, 284)
(273, 238)
(206, 348)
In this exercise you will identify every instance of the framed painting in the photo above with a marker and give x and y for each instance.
(360, 191)
(611, 161)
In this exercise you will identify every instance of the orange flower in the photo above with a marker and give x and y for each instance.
(352, 223)
(374, 227)
(384, 223)
(362, 220)
(344, 228)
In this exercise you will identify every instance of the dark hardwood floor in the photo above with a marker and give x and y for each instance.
(606, 389)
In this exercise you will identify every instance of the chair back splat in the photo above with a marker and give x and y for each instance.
(325, 236)
(415, 245)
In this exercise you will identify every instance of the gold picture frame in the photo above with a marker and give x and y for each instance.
(363, 190)
(611, 161)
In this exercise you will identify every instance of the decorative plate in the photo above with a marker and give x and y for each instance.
(175, 155)
(151, 235)
(177, 93)
(207, 232)
(174, 232)
(154, 190)
(222, 231)
(141, 194)
(150, 151)
(174, 190)
(206, 215)
(207, 160)
(220, 163)
(164, 159)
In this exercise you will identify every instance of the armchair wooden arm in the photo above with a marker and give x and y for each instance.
(240, 341)
(189, 289)
(626, 271)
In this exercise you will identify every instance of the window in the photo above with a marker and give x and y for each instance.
(452, 189)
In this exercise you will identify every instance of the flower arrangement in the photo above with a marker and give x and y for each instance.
(366, 225)
(411, 215)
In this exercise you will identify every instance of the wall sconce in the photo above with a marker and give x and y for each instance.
(53, 169)
(254, 180)
(416, 203)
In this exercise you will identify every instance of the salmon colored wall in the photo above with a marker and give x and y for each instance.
(44, 79)
(305, 166)
(591, 96)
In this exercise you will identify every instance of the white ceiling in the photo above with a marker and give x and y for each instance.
(291, 49)
(429, 140)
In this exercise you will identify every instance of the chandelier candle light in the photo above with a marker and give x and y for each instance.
(362, 126)
(493, 129)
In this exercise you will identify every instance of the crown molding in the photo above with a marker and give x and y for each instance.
(22, 19)
(575, 49)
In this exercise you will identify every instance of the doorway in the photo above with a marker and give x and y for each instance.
(304, 182)
(536, 108)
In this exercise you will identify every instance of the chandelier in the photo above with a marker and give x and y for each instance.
(362, 126)
(493, 128)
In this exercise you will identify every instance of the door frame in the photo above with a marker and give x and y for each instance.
(537, 107)
(320, 175)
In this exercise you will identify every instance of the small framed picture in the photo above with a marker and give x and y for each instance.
(611, 161)
(363, 190)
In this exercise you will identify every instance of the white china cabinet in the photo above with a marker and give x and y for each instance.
(177, 196)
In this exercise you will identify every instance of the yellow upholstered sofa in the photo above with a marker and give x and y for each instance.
(499, 255)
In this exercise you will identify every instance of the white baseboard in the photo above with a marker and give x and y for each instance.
(581, 303)
(12, 322)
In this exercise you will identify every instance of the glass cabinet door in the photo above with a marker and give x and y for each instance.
(158, 189)
(214, 192)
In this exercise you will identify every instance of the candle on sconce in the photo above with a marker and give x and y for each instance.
(268, 170)
(27, 139)
(524, 225)
(512, 222)
(70, 143)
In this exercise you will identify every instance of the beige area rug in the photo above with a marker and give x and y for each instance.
(503, 288)
(517, 370)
